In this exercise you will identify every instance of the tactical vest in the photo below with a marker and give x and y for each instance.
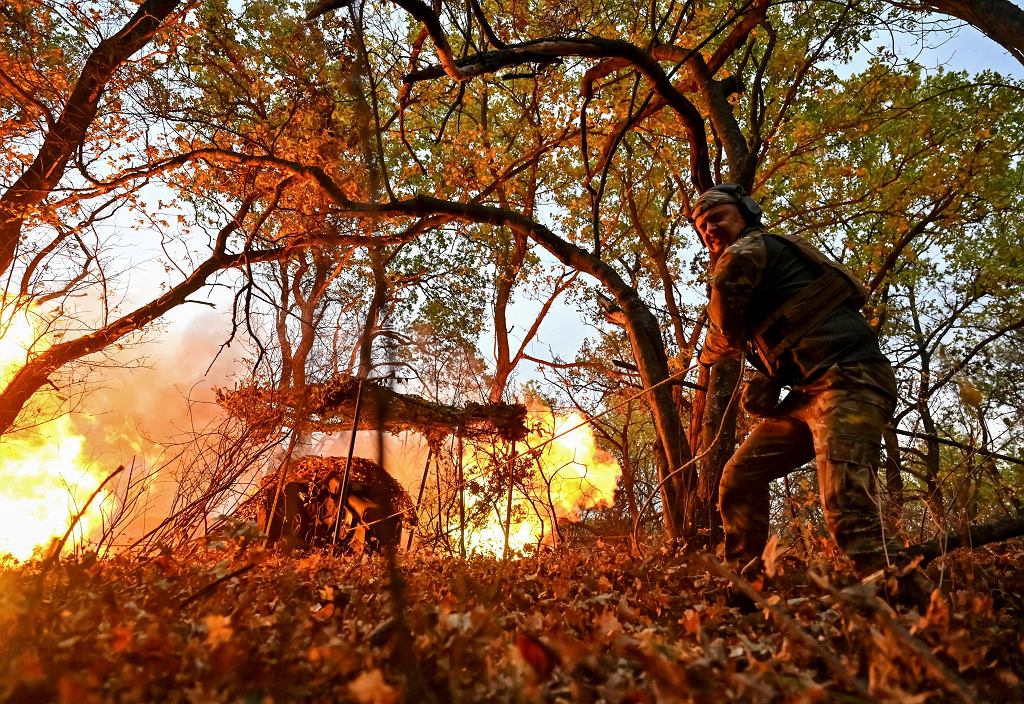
(800, 313)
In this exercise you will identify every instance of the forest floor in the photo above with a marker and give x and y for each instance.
(234, 623)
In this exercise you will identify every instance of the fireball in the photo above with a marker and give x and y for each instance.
(570, 474)
(44, 482)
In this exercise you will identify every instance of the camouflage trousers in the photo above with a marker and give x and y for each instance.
(837, 420)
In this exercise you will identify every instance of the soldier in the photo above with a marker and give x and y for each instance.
(795, 314)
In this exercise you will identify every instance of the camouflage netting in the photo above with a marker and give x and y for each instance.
(366, 478)
(329, 408)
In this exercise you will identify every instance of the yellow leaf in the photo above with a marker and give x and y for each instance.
(218, 630)
(370, 688)
(771, 555)
(969, 393)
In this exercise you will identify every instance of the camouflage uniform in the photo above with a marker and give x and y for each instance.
(843, 393)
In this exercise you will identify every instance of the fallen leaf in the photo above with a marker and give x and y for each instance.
(771, 555)
(218, 630)
(123, 637)
(28, 668)
(690, 621)
(539, 656)
(371, 688)
(608, 624)
(322, 612)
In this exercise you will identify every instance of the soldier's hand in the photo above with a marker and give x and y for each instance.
(760, 397)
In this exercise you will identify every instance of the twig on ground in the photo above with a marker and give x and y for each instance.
(54, 556)
(213, 585)
(787, 624)
(883, 615)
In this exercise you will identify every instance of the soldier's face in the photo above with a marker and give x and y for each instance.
(720, 226)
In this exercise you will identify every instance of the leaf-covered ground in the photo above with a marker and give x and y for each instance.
(236, 624)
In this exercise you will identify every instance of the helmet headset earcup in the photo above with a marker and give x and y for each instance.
(749, 208)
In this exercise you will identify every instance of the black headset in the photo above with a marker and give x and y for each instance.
(749, 208)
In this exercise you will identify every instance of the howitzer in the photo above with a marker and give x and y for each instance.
(303, 513)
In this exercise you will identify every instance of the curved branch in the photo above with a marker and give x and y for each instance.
(551, 50)
(1000, 20)
(35, 373)
(492, 38)
(741, 163)
(938, 207)
(68, 133)
(424, 14)
(980, 345)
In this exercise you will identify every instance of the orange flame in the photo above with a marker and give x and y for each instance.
(570, 474)
(44, 481)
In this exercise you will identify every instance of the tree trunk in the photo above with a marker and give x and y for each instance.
(644, 336)
(932, 467)
(718, 439)
(892, 512)
(507, 277)
(973, 536)
(697, 406)
(629, 477)
(933, 496)
(677, 488)
(374, 311)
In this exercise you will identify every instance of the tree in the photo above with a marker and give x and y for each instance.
(67, 131)
(39, 105)
(408, 179)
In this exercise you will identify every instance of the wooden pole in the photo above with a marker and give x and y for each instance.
(419, 496)
(343, 490)
(462, 504)
(442, 524)
(282, 477)
(508, 508)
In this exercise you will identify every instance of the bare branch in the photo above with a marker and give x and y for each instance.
(69, 131)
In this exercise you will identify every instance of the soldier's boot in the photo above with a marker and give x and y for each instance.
(753, 572)
(910, 587)
(903, 585)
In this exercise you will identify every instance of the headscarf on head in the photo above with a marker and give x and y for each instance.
(711, 198)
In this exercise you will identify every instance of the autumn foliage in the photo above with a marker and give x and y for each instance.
(377, 191)
(233, 623)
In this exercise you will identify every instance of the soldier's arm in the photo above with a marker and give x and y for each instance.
(735, 278)
(717, 347)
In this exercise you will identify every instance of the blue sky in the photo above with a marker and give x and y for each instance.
(966, 49)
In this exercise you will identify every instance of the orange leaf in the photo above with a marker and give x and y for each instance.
(690, 622)
(218, 630)
(123, 637)
(540, 657)
(370, 688)
(322, 613)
